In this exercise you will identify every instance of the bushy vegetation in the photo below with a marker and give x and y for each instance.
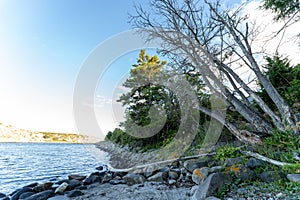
(285, 78)
(139, 100)
(142, 96)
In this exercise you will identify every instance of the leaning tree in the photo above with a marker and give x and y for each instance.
(204, 39)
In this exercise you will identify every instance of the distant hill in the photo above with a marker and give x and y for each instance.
(9, 133)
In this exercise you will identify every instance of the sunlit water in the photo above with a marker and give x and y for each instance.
(24, 163)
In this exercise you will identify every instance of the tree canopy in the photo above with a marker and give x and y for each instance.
(204, 39)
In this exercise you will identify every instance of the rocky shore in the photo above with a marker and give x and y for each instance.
(196, 179)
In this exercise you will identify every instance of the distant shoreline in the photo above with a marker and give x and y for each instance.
(9, 133)
(91, 143)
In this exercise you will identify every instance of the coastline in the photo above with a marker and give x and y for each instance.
(202, 178)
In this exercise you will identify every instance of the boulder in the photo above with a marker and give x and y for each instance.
(31, 185)
(191, 165)
(270, 176)
(158, 177)
(173, 175)
(199, 175)
(92, 178)
(73, 184)
(107, 177)
(253, 163)
(133, 178)
(17, 193)
(25, 195)
(61, 181)
(212, 198)
(294, 177)
(43, 187)
(211, 185)
(216, 169)
(59, 197)
(75, 193)
(61, 188)
(243, 173)
(116, 182)
(41, 195)
(76, 177)
(171, 182)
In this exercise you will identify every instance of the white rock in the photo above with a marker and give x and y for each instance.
(62, 188)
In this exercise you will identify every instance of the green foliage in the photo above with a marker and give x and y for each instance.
(227, 151)
(283, 141)
(288, 186)
(291, 169)
(282, 8)
(144, 95)
(223, 190)
(119, 136)
(281, 146)
(286, 80)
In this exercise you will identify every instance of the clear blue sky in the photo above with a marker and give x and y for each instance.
(42, 46)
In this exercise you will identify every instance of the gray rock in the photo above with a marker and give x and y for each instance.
(212, 198)
(211, 185)
(61, 188)
(25, 195)
(41, 195)
(59, 197)
(133, 178)
(171, 182)
(75, 193)
(173, 175)
(216, 169)
(200, 174)
(81, 187)
(233, 161)
(116, 182)
(43, 187)
(244, 174)
(31, 185)
(294, 177)
(158, 177)
(191, 165)
(76, 177)
(165, 169)
(73, 183)
(148, 173)
(107, 177)
(270, 176)
(61, 181)
(17, 193)
(253, 163)
(2, 195)
(92, 178)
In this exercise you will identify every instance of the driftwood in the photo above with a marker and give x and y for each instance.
(266, 159)
(154, 165)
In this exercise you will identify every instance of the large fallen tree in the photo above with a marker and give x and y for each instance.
(205, 40)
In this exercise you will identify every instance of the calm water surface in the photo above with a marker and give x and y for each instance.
(24, 163)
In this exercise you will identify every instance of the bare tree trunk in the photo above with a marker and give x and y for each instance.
(184, 30)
